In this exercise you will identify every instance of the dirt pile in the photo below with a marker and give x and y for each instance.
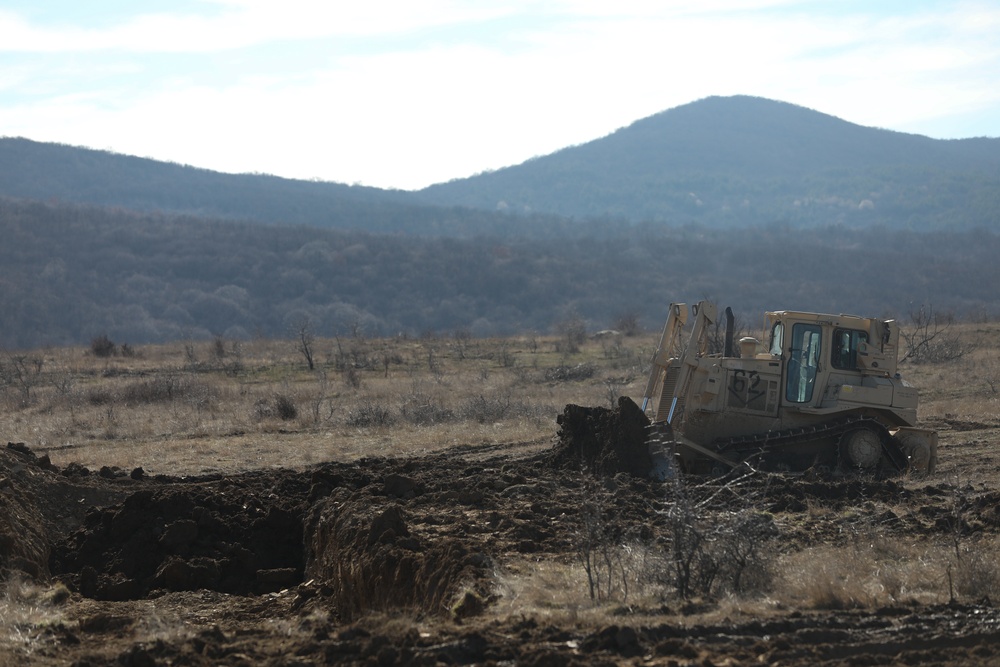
(40, 505)
(235, 535)
(603, 441)
(416, 534)
(23, 542)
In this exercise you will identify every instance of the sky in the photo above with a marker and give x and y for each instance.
(406, 93)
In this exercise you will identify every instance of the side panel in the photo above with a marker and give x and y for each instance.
(753, 386)
(875, 391)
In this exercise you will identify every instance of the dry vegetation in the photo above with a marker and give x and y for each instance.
(226, 406)
(197, 407)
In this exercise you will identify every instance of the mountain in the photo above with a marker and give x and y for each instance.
(720, 161)
(56, 172)
(747, 160)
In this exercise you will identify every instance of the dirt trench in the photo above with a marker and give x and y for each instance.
(381, 533)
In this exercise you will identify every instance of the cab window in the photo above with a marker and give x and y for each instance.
(776, 336)
(803, 362)
(845, 348)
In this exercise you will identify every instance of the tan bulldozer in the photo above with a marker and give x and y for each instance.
(821, 393)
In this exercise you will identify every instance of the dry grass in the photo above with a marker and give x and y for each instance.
(559, 591)
(30, 616)
(183, 408)
(878, 571)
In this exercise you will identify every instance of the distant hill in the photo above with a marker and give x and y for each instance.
(720, 161)
(746, 160)
(69, 273)
(60, 173)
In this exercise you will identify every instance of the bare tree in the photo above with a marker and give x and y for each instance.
(627, 323)
(304, 340)
(929, 338)
(21, 371)
(573, 332)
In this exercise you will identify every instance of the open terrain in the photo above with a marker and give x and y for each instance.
(415, 501)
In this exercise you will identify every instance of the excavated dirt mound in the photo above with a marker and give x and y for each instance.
(604, 441)
(39, 506)
(24, 545)
(238, 535)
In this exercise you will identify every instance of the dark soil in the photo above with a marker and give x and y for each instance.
(391, 561)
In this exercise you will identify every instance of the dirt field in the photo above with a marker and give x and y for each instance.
(538, 551)
(402, 561)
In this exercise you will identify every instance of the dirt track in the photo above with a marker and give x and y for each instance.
(382, 561)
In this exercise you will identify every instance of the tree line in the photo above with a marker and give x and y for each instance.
(70, 272)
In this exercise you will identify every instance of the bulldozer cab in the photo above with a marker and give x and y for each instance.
(825, 358)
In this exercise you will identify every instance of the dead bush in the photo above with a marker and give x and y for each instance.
(422, 409)
(279, 406)
(572, 333)
(712, 553)
(627, 324)
(102, 346)
(576, 373)
(929, 338)
(599, 549)
(370, 414)
(158, 389)
(495, 407)
(976, 576)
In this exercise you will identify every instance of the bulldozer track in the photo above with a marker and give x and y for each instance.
(746, 446)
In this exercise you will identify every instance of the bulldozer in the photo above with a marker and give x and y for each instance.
(823, 393)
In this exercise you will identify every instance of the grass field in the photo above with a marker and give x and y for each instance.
(224, 405)
(193, 407)
(230, 407)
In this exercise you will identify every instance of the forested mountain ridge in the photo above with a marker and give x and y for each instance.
(56, 172)
(744, 160)
(720, 161)
(69, 273)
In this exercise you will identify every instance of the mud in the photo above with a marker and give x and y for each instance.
(393, 561)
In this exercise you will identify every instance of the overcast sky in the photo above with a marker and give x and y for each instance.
(405, 93)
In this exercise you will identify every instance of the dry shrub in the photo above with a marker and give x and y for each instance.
(370, 414)
(713, 553)
(102, 346)
(576, 373)
(495, 407)
(278, 406)
(423, 410)
(976, 573)
(158, 389)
